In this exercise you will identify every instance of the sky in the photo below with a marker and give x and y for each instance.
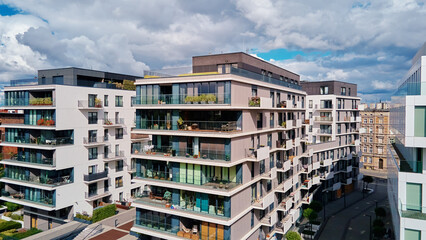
(370, 43)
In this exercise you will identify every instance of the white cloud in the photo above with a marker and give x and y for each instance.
(379, 85)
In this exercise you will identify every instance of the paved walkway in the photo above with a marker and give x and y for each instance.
(350, 223)
(121, 232)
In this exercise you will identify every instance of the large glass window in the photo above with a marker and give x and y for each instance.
(119, 133)
(323, 90)
(412, 234)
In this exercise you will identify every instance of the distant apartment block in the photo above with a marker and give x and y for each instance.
(375, 135)
(73, 145)
(333, 136)
(406, 162)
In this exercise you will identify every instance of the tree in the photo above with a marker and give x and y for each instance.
(316, 206)
(367, 180)
(129, 85)
(380, 212)
(291, 235)
(310, 214)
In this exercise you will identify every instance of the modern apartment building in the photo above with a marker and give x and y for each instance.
(406, 162)
(333, 136)
(227, 151)
(375, 135)
(73, 145)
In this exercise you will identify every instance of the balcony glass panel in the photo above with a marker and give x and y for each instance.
(28, 194)
(38, 176)
(38, 137)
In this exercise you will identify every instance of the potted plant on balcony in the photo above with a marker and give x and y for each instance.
(180, 122)
(195, 99)
(98, 103)
(195, 156)
(211, 98)
(254, 102)
(204, 156)
(167, 196)
(189, 99)
(203, 99)
(283, 124)
(168, 125)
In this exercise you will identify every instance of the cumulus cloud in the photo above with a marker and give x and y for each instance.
(366, 39)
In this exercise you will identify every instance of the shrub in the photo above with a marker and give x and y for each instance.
(9, 232)
(380, 212)
(17, 217)
(28, 233)
(84, 217)
(316, 206)
(293, 236)
(104, 212)
(7, 214)
(9, 225)
(129, 85)
(11, 207)
(378, 223)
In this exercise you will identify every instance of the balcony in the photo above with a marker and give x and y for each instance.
(17, 194)
(31, 161)
(316, 180)
(167, 177)
(261, 102)
(264, 202)
(113, 157)
(50, 182)
(323, 119)
(113, 122)
(184, 205)
(264, 78)
(172, 99)
(191, 125)
(404, 165)
(258, 154)
(348, 181)
(284, 166)
(91, 196)
(337, 186)
(307, 184)
(326, 162)
(96, 176)
(270, 220)
(29, 103)
(316, 165)
(34, 140)
(90, 105)
(94, 141)
(412, 211)
(169, 152)
(327, 175)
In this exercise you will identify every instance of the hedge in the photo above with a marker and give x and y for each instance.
(11, 207)
(9, 225)
(17, 217)
(28, 233)
(104, 212)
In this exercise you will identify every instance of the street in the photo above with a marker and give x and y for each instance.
(352, 222)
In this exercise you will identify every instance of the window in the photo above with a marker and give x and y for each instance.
(326, 104)
(106, 134)
(349, 91)
(93, 136)
(412, 234)
(371, 140)
(93, 153)
(118, 101)
(323, 90)
(420, 121)
(343, 91)
(371, 120)
(310, 115)
(92, 169)
(119, 166)
(58, 79)
(259, 120)
(92, 100)
(414, 196)
(254, 91)
(118, 182)
(310, 128)
(365, 120)
(311, 103)
(119, 133)
(93, 117)
(106, 100)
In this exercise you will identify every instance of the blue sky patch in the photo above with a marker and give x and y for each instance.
(6, 10)
(284, 54)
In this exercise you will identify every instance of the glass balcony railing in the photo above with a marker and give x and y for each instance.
(39, 140)
(31, 195)
(113, 121)
(208, 98)
(33, 160)
(168, 151)
(209, 182)
(263, 78)
(412, 211)
(188, 125)
(56, 181)
(95, 176)
(36, 102)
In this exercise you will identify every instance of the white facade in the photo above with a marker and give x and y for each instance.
(71, 110)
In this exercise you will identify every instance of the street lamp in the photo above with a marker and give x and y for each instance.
(366, 215)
